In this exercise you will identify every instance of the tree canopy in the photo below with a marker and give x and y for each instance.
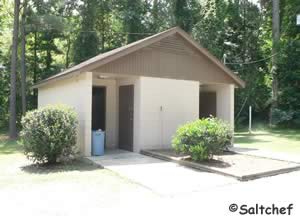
(60, 34)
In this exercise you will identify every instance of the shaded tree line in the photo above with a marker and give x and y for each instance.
(39, 38)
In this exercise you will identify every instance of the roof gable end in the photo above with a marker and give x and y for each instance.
(108, 57)
(171, 57)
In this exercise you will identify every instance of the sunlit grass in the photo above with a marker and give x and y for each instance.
(16, 171)
(9, 146)
(284, 140)
(60, 188)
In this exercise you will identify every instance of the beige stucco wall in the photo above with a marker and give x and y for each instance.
(225, 100)
(77, 93)
(164, 104)
(160, 106)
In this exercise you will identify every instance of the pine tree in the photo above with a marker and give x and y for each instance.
(23, 57)
(13, 75)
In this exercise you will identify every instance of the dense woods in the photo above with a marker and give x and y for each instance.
(52, 35)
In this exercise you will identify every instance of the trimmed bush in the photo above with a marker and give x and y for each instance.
(49, 133)
(202, 138)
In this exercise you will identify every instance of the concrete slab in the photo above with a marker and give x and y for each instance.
(162, 177)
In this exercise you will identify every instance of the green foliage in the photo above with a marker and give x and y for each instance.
(133, 14)
(289, 64)
(186, 13)
(49, 133)
(5, 43)
(87, 43)
(211, 25)
(182, 15)
(235, 28)
(62, 33)
(161, 18)
(202, 138)
(281, 117)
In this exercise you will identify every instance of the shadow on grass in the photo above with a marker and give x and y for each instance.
(75, 165)
(10, 147)
(249, 138)
(290, 134)
(243, 134)
(287, 134)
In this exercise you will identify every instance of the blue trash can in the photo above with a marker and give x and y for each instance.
(98, 143)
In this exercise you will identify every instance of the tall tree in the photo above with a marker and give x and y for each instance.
(182, 14)
(106, 25)
(210, 27)
(44, 25)
(133, 14)
(69, 11)
(23, 57)
(12, 102)
(242, 47)
(289, 64)
(87, 43)
(275, 52)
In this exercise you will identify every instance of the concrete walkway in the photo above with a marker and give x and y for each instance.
(162, 177)
(268, 154)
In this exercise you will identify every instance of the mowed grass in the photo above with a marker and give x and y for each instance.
(282, 140)
(74, 182)
(9, 147)
(13, 160)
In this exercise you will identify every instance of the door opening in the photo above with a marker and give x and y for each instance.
(208, 104)
(98, 108)
(126, 113)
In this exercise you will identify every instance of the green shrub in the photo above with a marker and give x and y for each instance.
(202, 138)
(49, 133)
(281, 117)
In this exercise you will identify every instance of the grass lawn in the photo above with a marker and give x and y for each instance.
(283, 140)
(60, 189)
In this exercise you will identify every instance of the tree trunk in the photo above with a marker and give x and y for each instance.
(35, 70)
(68, 51)
(23, 58)
(12, 101)
(275, 51)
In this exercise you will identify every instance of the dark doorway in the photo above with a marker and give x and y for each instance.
(98, 108)
(126, 102)
(208, 104)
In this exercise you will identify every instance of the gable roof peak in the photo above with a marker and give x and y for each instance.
(114, 54)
